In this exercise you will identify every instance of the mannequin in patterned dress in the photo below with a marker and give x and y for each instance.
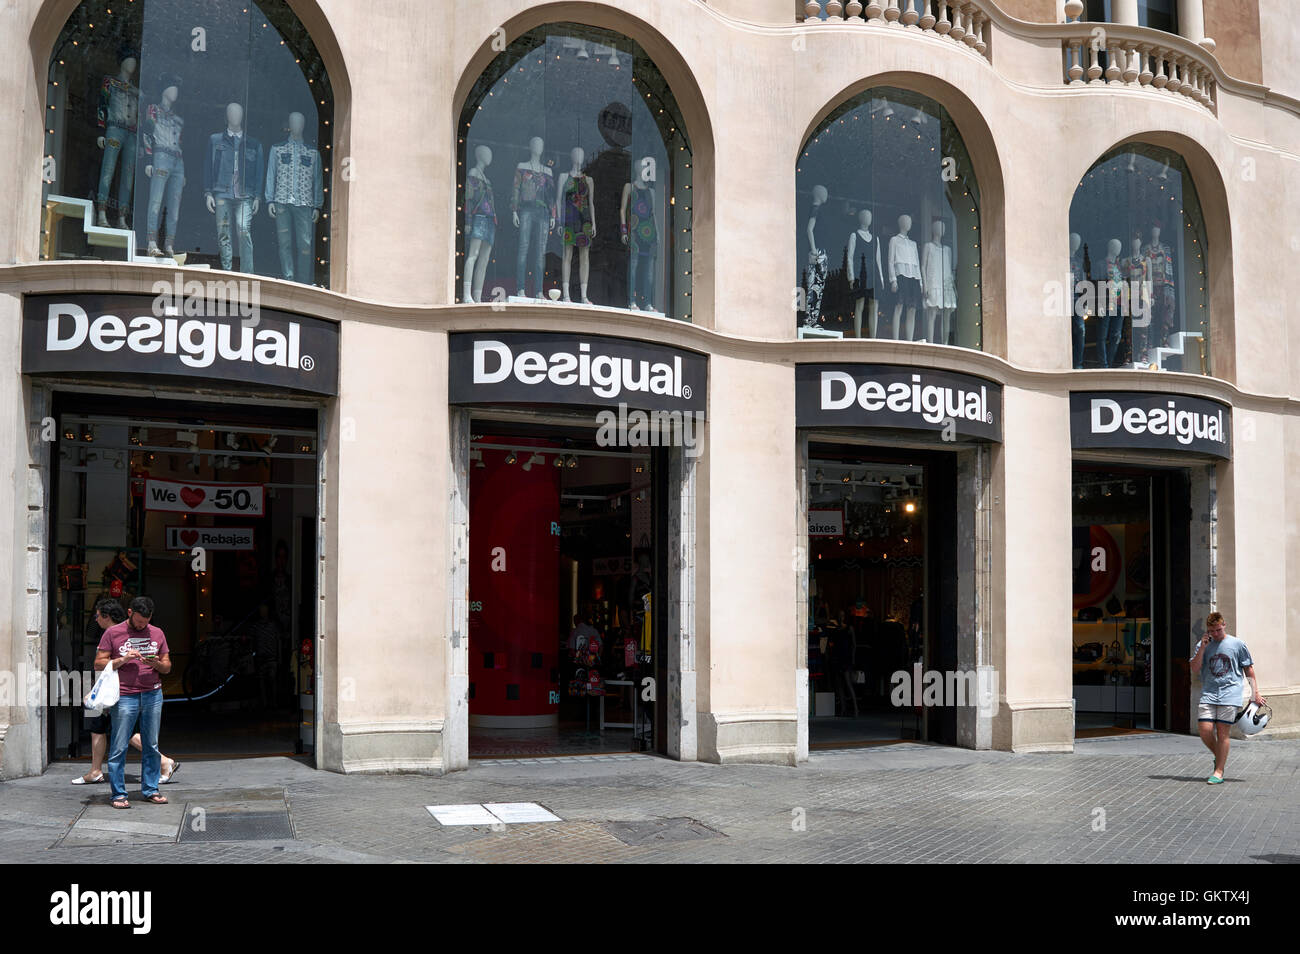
(576, 191)
(640, 233)
(1164, 300)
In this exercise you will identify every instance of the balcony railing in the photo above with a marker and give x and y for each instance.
(963, 22)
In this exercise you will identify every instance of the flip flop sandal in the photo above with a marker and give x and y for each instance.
(122, 802)
(82, 780)
(156, 799)
(1214, 780)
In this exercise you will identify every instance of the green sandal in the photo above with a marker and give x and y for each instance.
(1214, 780)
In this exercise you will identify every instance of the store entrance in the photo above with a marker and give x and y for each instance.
(210, 511)
(564, 580)
(1131, 602)
(882, 593)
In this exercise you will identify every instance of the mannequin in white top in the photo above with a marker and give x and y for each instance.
(865, 273)
(940, 280)
(479, 251)
(576, 192)
(904, 274)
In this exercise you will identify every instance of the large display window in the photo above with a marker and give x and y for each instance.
(189, 130)
(1138, 289)
(889, 224)
(574, 177)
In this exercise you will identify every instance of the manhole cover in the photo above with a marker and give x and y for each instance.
(661, 831)
(237, 826)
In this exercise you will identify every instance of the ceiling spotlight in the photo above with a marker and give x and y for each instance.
(232, 441)
(511, 457)
(572, 462)
(559, 460)
(638, 468)
(269, 445)
(848, 475)
(910, 507)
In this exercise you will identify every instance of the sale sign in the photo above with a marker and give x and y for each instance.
(210, 538)
(174, 496)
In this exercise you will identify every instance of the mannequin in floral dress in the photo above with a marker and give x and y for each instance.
(579, 221)
(1164, 301)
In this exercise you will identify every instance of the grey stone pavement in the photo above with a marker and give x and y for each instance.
(899, 803)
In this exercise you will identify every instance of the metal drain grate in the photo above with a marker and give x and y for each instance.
(238, 826)
(662, 831)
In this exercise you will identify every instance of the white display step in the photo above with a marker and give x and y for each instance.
(1159, 355)
(95, 234)
(806, 331)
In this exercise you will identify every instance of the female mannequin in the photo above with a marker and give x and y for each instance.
(576, 191)
(865, 273)
(1137, 298)
(940, 281)
(1072, 296)
(532, 208)
(904, 278)
(636, 215)
(1109, 307)
(815, 280)
(480, 224)
(118, 104)
(1164, 303)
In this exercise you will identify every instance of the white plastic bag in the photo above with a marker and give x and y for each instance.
(105, 693)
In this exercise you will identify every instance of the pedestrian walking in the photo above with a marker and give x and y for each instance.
(1223, 661)
(108, 613)
(139, 652)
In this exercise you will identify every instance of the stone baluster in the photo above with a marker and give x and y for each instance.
(910, 16)
(834, 9)
(812, 10)
(892, 13)
(854, 10)
(927, 15)
(1175, 79)
(981, 29)
(1144, 74)
(958, 21)
(1074, 62)
(1114, 73)
(1131, 69)
(1094, 66)
(874, 10)
(1160, 79)
(972, 35)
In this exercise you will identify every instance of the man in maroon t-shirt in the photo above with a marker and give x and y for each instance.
(139, 653)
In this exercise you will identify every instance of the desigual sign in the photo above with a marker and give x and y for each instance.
(588, 370)
(1145, 421)
(138, 334)
(898, 397)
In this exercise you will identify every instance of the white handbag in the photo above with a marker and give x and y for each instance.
(105, 693)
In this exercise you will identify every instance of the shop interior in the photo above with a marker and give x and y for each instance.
(562, 578)
(1128, 585)
(239, 615)
(868, 610)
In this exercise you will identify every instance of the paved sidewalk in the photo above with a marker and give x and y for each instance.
(1125, 799)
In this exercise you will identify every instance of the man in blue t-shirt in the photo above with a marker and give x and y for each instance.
(1222, 660)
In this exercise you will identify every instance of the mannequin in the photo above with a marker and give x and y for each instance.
(1072, 295)
(164, 163)
(1136, 270)
(577, 190)
(1164, 303)
(865, 273)
(1109, 306)
(232, 172)
(480, 225)
(815, 282)
(293, 199)
(532, 208)
(118, 115)
(940, 283)
(904, 278)
(637, 217)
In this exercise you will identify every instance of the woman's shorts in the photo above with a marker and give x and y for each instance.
(99, 725)
(1212, 713)
(909, 292)
(482, 227)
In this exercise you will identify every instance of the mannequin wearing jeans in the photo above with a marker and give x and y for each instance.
(165, 166)
(293, 199)
(1137, 291)
(1110, 306)
(1073, 295)
(532, 209)
(118, 112)
(641, 236)
(232, 174)
(480, 224)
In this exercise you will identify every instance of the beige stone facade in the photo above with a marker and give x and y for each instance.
(752, 80)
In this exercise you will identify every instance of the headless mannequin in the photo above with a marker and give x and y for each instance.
(815, 281)
(899, 248)
(873, 280)
(576, 225)
(533, 164)
(1163, 298)
(936, 259)
(1109, 308)
(479, 252)
(124, 76)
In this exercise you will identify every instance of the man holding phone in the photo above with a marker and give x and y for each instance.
(138, 651)
(1223, 660)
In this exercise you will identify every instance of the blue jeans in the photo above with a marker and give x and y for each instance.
(643, 262)
(167, 183)
(294, 236)
(118, 143)
(534, 227)
(1109, 328)
(241, 212)
(146, 707)
(1078, 341)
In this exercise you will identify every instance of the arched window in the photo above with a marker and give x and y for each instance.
(574, 177)
(1138, 264)
(889, 224)
(189, 130)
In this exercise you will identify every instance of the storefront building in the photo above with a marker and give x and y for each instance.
(665, 380)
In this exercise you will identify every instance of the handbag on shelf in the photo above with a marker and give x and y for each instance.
(72, 576)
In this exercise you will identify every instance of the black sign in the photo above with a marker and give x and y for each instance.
(587, 370)
(213, 330)
(1147, 421)
(897, 397)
